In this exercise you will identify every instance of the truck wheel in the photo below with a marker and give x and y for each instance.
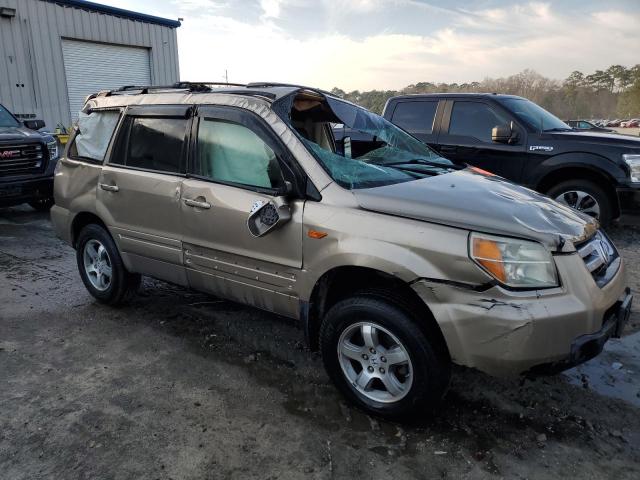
(42, 204)
(379, 358)
(101, 267)
(585, 196)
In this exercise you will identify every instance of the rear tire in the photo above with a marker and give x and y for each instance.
(404, 374)
(101, 267)
(570, 192)
(42, 204)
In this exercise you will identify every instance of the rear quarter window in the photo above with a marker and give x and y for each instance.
(416, 117)
(94, 135)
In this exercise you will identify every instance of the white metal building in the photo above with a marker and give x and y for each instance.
(53, 53)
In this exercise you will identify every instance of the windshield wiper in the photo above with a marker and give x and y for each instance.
(419, 161)
(422, 161)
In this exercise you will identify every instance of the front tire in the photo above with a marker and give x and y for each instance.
(584, 196)
(42, 204)
(101, 267)
(381, 360)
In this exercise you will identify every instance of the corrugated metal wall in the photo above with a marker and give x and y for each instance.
(31, 53)
(91, 66)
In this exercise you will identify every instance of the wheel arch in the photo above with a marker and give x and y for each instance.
(582, 172)
(341, 281)
(81, 220)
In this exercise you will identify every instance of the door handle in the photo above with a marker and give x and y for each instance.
(109, 188)
(196, 204)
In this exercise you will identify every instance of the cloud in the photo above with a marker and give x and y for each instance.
(388, 44)
(271, 8)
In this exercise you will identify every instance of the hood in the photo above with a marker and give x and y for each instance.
(18, 134)
(483, 203)
(600, 138)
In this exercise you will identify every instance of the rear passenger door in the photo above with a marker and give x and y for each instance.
(139, 189)
(418, 117)
(237, 161)
(466, 137)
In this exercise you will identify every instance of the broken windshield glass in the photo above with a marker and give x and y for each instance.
(371, 151)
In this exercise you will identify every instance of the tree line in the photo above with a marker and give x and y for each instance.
(610, 93)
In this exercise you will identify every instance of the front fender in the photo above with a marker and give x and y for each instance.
(403, 248)
(595, 163)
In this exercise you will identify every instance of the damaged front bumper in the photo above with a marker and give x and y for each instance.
(586, 347)
(503, 332)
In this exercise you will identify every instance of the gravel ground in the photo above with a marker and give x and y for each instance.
(181, 385)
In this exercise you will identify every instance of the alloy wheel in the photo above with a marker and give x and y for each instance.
(97, 265)
(581, 201)
(375, 362)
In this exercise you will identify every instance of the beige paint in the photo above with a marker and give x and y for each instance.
(498, 331)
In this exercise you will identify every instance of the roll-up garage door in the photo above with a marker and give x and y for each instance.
(91, 67)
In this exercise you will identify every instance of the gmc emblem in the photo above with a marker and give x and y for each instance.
(9, 153)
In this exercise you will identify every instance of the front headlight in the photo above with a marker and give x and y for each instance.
(52, 147)
(633, 160)
(513, 262)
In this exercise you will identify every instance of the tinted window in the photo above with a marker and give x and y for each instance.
(585, 125)
(153, 144)
(94, 134)
(536, 116)
(415, 117)
(473, 119)
(232, 153)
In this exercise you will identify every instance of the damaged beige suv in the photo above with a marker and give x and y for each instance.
(395, 261)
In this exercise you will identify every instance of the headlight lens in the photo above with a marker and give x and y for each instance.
(513, 262)
(53, 150)
(633, 160)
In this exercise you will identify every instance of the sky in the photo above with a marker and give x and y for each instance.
(389, 44)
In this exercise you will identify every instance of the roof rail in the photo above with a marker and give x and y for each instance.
(277, 84)
(190, 86)
(222, 84)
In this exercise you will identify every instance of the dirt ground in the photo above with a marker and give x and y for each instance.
(181, 385)
(628, 131)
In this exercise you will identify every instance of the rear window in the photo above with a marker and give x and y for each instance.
(93, 135)
(152, 143)
(415, 117)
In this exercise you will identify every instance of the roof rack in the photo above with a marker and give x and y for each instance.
(277, 84)
(195, 87)
(190, 86)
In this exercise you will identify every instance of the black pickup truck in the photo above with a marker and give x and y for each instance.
(510, 136)
(27, 161)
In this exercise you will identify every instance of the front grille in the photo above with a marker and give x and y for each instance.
(21, 159)
(598, 254)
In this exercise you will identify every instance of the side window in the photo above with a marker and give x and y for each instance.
(93, 135)
(474, 119)
(152, 143)
(232, 153)
(584, 125)
(415, 117)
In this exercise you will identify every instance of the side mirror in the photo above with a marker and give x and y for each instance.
(34, 124)
(266, 216)
(504, 134)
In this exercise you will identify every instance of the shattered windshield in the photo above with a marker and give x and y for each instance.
(360, 149)
(6, 119)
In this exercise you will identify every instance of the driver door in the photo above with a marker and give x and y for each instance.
(236, 161)
(466, 137)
